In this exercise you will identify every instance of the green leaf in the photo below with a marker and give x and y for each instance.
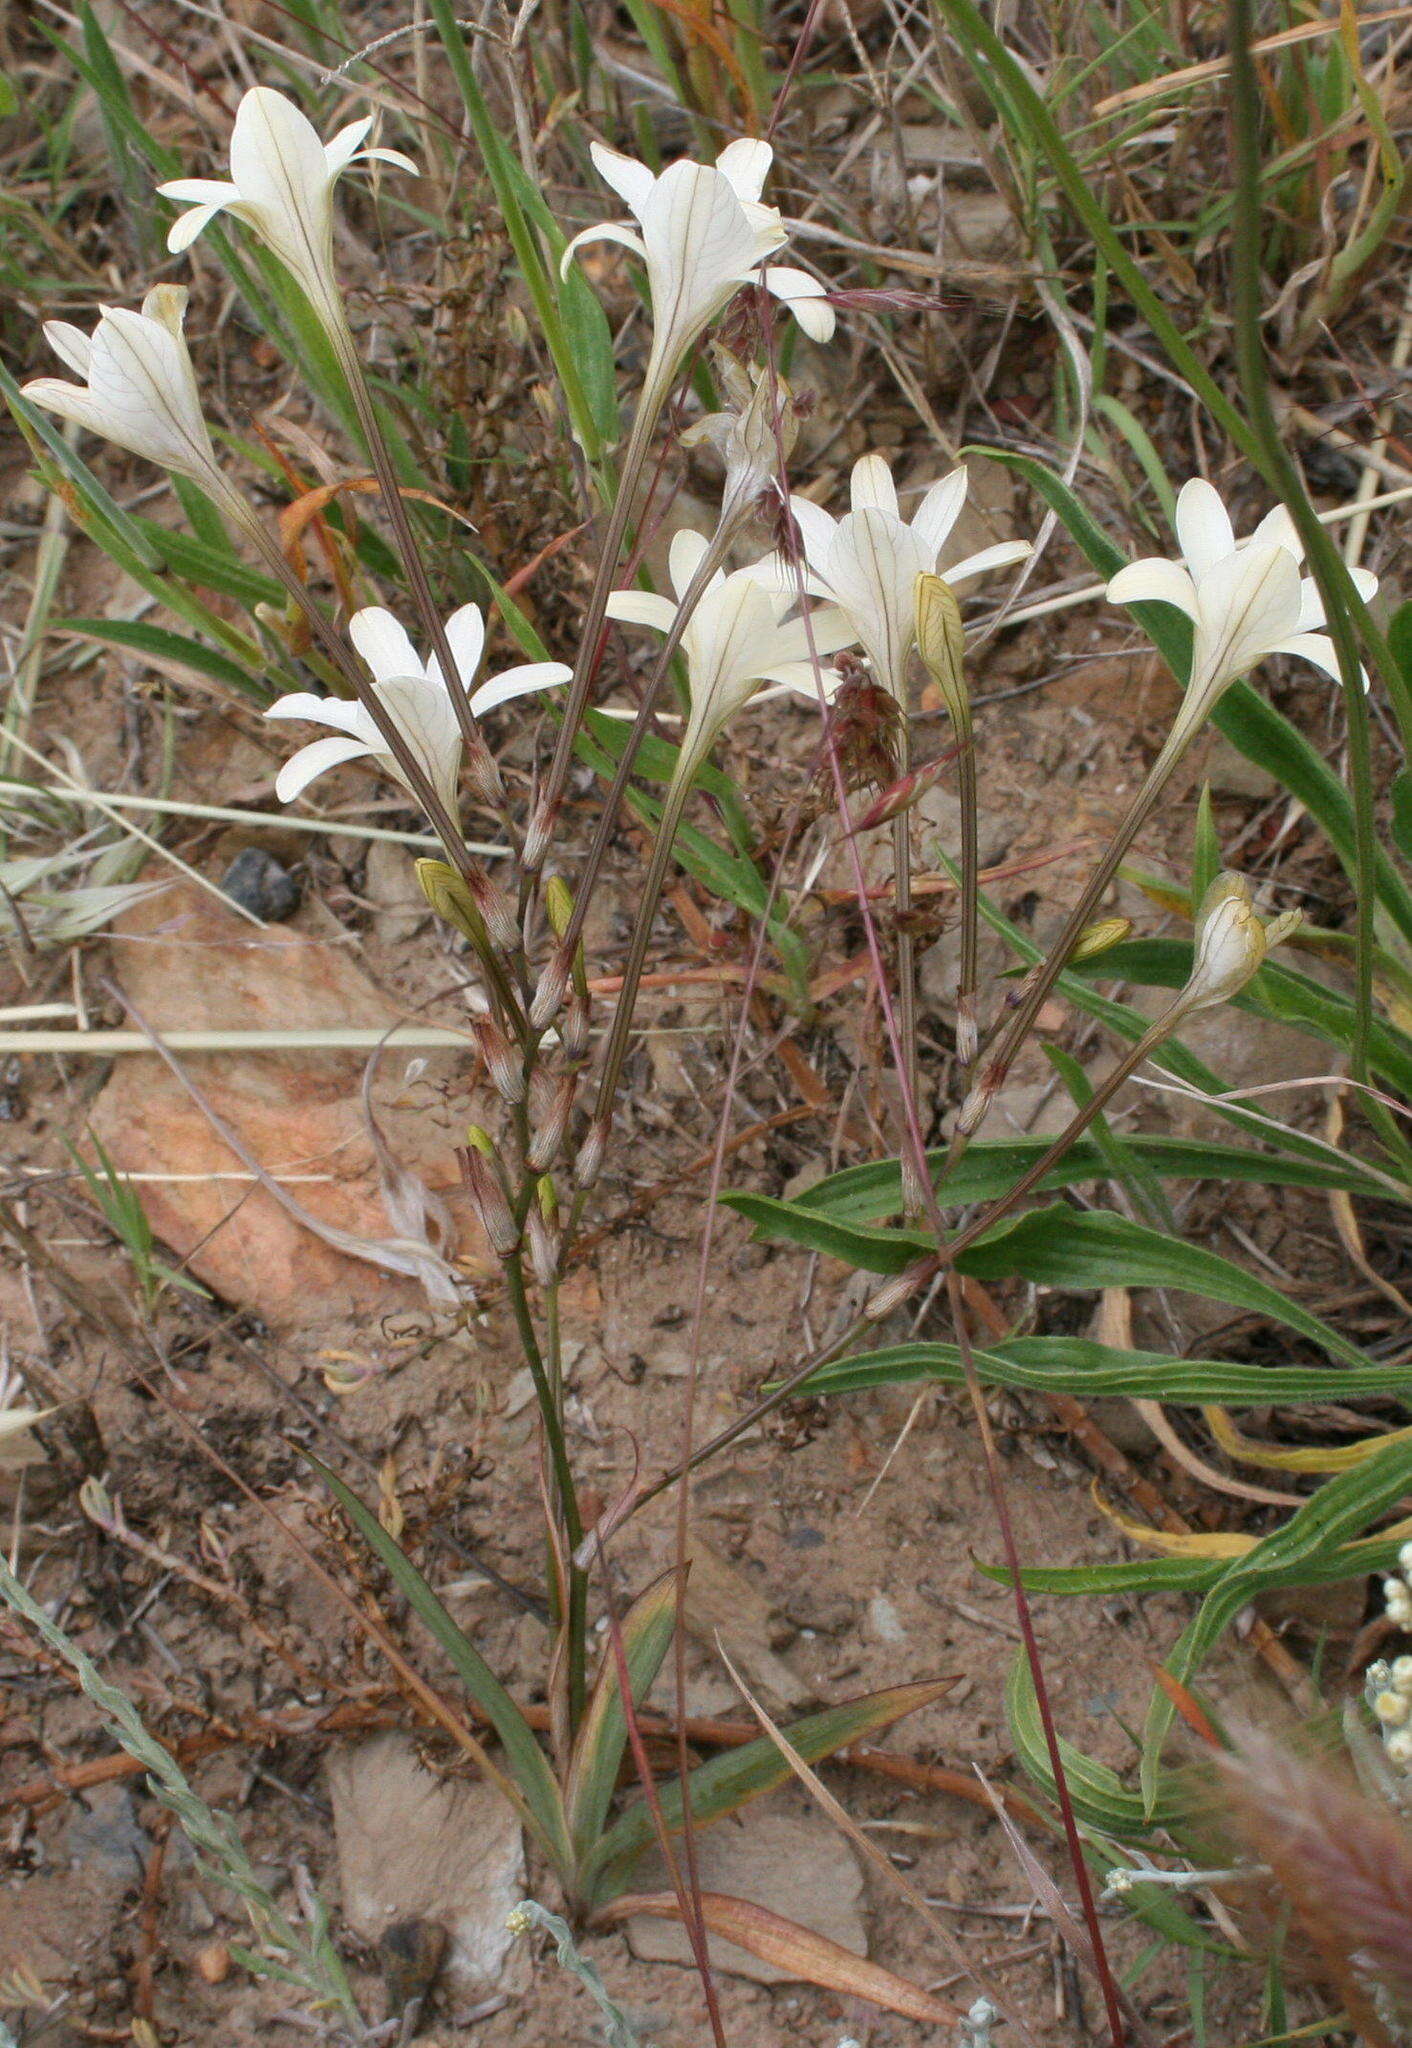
(164, 645)
(543, 1809)
(213, 568)
(646, 1632)
(1093, 1249)
(1206, 858)
(1341, 1510)
(1100, 1797)
(1123, 1162)
(990, 1168)
(1084, 1369)
(731, 1780)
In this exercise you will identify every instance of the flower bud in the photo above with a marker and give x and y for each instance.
(452, 900)
(1098, 938)
(941, 642)
(558, 904)
(487, 1198)
(542, 1234)
(551, 1105)
(1398, 1749)
(893, 1293)
(549, 996)
(538, 836)
(574, 1028)
(1231, 943)
(506, 1071)
(589, 1163)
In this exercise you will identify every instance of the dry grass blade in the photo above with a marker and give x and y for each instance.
(886, 1869)
(804, 1955)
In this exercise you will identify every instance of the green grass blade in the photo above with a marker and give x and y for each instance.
(646, 1630)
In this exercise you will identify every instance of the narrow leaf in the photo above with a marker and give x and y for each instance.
(646, 1631)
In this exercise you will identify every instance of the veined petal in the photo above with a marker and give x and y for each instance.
(1203, 526)
(939, 511)
(344, 714)
(1318, 648)
(805, 297)
(395, 157)
(518, 682)
(70, 402)
(1311, 604)
(187, 226)
(602, 231)
(1154, 580)
(817, 529)
(423, 713)
(700, 250)
(276, 158)
(140, 375)
(871, 488)
(685, 556)
(1278, 530)
(465, 634)
(745, 165)
(872, 570)
(71, 345)
(641, 608)
(340, 149)
(166, 304)
(1002, 555)
(384, 644)
(826, 630)
(802, 679)
(631, 180)
(1246, 605)
(315, 759)
(200, 191)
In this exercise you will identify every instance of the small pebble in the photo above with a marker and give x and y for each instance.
(262, 885)
(213, 1963)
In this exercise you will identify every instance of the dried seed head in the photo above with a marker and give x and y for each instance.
(487, 1197)
(589, 1163)
(574, 1028)
(551, 1105)
(506, 1071)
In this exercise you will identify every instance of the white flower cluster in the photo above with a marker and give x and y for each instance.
(1388, 1686)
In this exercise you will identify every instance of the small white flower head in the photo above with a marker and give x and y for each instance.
(1232, 940)
(1397, 1602)
(1404, 1558)
(1246, 599)
(1400, 1676)
(736, 638)
(1391, 1708)
(416, 701)
(281, 186)
(868, 562)
(703, 232)
(1398, 1749)
(139, 388)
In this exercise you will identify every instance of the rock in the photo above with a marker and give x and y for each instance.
(188, 964)
(262, 885)
(792, 1861)
(1216, 760)
(724, 1609)
(884, 1621)
(444, 1851)
(104, 1837)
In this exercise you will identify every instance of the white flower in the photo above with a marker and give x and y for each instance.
(139, 388)
(415, 699)
(1232, 941)
(703, 234)
(736, 638)
(1245, 598)
(281, 185)
(868, 562)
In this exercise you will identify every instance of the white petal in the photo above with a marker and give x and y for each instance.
(940, 509)
(384, 644)
(276, 158)
(746, 165)
(1245, 605)
(872, 571)
(685, 556)
(185, 229)
(518, 682)
(1203, 526)
(642, 608)
(817, 529)
(1278, 530)
(315, 759)
(1318, 648)
(424, 715)
(604, 231)
(141, 376)
(394, 157)
(340, 151)
(802, 679)
(71, 345)
(805, 297)
(199, 191)
(1154, 579)
(631, 180)
(69, 401)
(465, 631)
(700, 250)
(344, 714)
(871, 487)
(1003, 555)
(166, 304)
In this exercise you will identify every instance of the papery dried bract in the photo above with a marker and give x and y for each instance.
(1232, 940)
